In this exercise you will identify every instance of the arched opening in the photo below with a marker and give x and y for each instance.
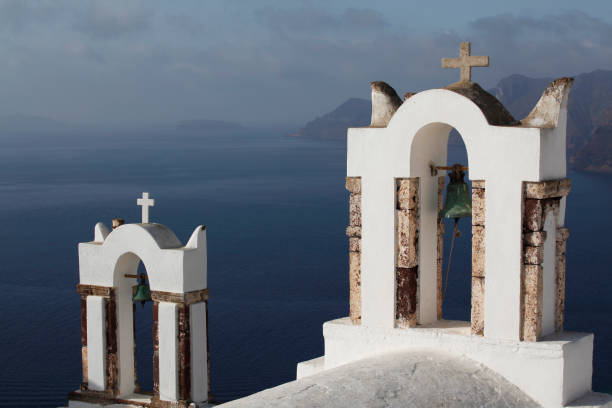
(135, 328)
(143, 340)
(456, 270)
(432, 152)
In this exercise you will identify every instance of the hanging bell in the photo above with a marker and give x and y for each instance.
(143, 293)
(458, 202)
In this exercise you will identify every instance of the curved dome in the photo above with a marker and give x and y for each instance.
(490, 106)
(163, 236)
(410, 379)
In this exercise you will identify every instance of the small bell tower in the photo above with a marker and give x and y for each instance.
(176, 283)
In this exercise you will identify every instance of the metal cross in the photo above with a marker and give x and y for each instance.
(145, 202)
(465, 62)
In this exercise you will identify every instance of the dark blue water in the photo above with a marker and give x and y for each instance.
(275, 210)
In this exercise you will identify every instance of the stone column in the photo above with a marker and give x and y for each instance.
(541, 200)
(184, 352)
(560, 246)
(84, 341)
(112, 358)
(406, 272)
(98, 339)
(353, 231)
(478, 257)
(155, 349)
(440, 249)
(167, 345)
(180, 348)
(199, 355)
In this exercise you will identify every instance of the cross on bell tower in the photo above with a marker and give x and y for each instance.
(465, 62)
(145, 202)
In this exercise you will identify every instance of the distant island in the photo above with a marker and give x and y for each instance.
(589, 128)
(355, 112)
(209, 125)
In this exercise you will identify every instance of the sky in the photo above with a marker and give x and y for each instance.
(272, 62)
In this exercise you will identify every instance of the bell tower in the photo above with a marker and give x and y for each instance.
(396, 171)
(176, 283)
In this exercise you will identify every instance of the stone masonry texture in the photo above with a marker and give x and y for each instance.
(406, 297)
(531, 289)
(477, 312)
(478, 257)
(353, 231)
(561, 243)
(440, 249)
(541, 200)
(407, 238)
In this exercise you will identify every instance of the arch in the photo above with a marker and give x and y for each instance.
(429, 147)
(171, 266)
(426, 120)
(146, 241)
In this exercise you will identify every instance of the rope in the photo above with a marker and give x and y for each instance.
(456, 233)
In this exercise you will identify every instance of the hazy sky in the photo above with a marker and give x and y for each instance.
(272, 61)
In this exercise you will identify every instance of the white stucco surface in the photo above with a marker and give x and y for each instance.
(96, 344)
(417, 378)
(553, 372)
(199, 356)
(125, 339)
(168, 351)
(171, 267)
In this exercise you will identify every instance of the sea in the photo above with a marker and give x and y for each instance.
(276, 210)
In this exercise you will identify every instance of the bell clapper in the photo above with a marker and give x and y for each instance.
(456, 233)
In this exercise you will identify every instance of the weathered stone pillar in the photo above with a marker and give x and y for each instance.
(407, 265)
(353, 231)
(137, 388)
(99, 322)
(155, 349)
(560, 246)
(84, 341)
(184, 352)
(180, 341)
(478, 257)
(440, 258)
(112, 358)
(199, 355)
(541, 201)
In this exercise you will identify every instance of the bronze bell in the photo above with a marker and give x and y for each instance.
(143, 293)
(458, 203)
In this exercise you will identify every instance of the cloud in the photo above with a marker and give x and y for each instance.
(102, 20)
(570, 42)
(313, 20)
(266, 65)
(568, 26)
(363, 19)
(187, 24)
(18, 15)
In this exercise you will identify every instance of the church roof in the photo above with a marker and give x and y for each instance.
(407, 379)
(490, 106)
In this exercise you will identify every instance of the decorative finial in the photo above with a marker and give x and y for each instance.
(145, 202)
(117, 222)
(465, 62)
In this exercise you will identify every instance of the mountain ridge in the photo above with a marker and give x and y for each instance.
(589, 126)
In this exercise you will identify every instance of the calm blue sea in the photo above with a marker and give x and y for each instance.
(275, 208)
